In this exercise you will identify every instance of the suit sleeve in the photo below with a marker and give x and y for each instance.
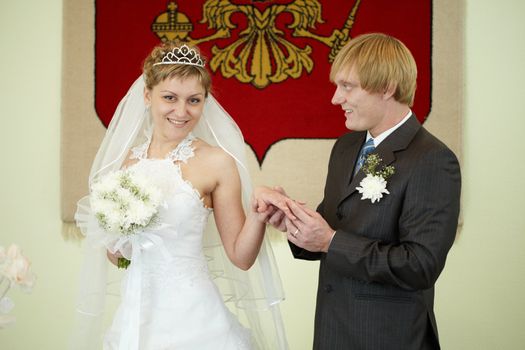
(426, 230)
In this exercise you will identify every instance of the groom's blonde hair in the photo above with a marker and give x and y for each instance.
(381, 61)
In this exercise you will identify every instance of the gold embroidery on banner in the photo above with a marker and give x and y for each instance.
(262, 55)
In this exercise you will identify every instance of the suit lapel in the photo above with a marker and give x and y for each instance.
(397, 141)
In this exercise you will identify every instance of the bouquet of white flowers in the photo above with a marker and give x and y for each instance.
(14, 270)
(125, 202)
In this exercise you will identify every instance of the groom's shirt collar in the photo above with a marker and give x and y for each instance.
(381, 137)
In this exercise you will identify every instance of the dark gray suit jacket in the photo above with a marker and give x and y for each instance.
(376, 283)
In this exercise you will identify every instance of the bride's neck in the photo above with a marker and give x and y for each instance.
(160, 146)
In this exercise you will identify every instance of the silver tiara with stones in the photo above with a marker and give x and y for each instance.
(182, 55)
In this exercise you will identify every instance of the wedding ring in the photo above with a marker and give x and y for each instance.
(294, 234)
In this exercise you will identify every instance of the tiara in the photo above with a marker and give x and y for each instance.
(182, 55)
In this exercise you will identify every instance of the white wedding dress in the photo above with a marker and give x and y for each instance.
(168, 297)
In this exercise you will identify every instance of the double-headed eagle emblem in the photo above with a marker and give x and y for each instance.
(261, 55)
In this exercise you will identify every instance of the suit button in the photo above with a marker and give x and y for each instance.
(328, 288)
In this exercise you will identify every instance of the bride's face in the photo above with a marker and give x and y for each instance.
(176, 106)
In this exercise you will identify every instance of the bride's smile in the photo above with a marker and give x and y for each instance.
(176, 106)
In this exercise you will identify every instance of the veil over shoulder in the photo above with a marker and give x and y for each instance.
(253, 295)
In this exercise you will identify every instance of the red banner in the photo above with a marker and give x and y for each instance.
(269, 60)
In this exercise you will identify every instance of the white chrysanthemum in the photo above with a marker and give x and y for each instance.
(138, 213)
(113, 218)
(125, 198)
(107, 183)
(372, 187)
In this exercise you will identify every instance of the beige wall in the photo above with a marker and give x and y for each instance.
(479, 298)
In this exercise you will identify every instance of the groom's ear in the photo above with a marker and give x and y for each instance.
(389, 91)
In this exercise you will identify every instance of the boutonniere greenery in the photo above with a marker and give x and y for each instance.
(373, 186)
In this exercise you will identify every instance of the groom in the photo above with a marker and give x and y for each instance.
(382, 241)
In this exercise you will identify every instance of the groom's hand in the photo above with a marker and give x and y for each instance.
(309, 230)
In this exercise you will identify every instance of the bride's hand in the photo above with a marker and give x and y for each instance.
(277, 220)
(263, 215)
(113, 257)
(274, 203)
(266, 197)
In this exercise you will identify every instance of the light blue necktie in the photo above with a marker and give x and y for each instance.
(367, 148)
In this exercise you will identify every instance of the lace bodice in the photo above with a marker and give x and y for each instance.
(182, 152)
(167, 172)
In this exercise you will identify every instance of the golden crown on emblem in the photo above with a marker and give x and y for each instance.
(172, 25)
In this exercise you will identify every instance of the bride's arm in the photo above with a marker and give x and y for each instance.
(241, 234)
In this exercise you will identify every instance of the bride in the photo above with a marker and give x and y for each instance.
(189, 285)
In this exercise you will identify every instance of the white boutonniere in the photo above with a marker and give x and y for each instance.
(373, 186)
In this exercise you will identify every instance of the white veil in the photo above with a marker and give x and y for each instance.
(253, 295)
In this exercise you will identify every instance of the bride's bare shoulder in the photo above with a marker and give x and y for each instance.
(213, 155)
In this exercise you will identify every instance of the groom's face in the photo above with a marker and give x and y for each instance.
(363, 110)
